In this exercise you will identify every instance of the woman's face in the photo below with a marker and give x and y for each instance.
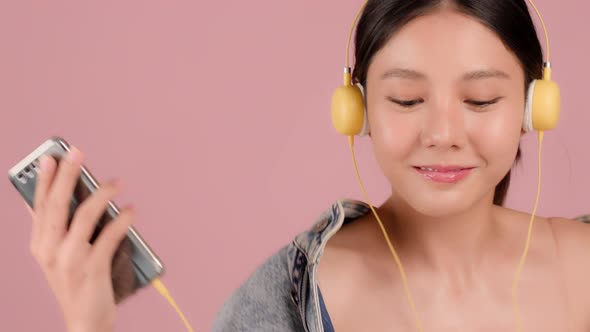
(445, 100)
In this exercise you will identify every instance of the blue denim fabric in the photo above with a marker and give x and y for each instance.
(326, 320)
(283, 294)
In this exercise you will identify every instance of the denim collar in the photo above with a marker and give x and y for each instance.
(305, 253)
(341, 212)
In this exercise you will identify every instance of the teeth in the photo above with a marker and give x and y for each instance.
(436, 170)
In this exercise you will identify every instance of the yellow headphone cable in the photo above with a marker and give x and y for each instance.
(159, 286)
(418, 323)
(163, 291)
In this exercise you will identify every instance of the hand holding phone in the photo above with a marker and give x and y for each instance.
(79, 273)
(90, 254)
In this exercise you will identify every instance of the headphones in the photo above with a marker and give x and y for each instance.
(542, 109)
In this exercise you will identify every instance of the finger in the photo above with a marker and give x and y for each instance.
(43, 182)
(60, 196)
(112, 234)
(35, 231)
(89, 213)
(44, 178)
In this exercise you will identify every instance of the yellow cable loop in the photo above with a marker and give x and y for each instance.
(527, 244)
(391, 248)
(159, 286)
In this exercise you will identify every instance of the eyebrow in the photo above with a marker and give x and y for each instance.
(469, 76)
(403, 73)
(482, 74)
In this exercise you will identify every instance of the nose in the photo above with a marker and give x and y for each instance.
(443, 126)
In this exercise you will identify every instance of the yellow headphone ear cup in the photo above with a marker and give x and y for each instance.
(348, 110)
(545, 105)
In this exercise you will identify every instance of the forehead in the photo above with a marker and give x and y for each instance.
(445, 43)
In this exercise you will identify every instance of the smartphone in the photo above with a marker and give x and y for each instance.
(134, 264)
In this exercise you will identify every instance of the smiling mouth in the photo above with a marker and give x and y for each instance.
(444, 174)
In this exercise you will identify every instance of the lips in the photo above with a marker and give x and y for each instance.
(440, 168)
(444, 174)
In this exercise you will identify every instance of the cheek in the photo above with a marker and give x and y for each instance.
(393, 135)
(496, 136)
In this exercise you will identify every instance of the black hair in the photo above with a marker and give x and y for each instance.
(509, 19)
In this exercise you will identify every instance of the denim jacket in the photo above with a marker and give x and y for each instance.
(282, 293)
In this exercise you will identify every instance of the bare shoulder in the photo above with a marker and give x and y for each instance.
(572, 238)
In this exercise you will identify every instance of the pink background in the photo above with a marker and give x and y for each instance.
(216, 117)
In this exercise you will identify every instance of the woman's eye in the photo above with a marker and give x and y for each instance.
(483, 103)
(414, 102)
(405, 103)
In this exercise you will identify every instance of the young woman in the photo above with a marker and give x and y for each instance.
(445, 89)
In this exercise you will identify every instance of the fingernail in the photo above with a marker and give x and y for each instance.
(74, 156)
(130, 208)
(43, 163)
(117, 183)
